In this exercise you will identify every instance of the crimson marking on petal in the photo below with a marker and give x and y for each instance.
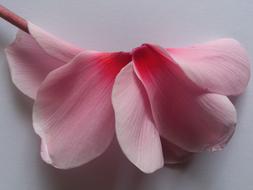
(73, 113)
(184, 113)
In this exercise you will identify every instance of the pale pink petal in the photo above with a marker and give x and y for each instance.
(185, 114)
(32, 56)
(52, 45)
(174, 154)
(136, 133)
(73, 113)
(220, 66)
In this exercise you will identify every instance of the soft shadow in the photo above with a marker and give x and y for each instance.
(100, 173)
(239, 102)
(108, 172)
(181, 166)
(235, 99)
(3, 40)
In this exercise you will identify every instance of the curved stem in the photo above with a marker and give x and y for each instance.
(14, 19)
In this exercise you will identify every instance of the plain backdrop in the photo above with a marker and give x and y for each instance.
(112, 25)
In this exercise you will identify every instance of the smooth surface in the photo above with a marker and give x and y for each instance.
(122, 25)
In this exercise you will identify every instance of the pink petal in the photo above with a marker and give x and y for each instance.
(220, 66)
(73, 112)
(185, 114)
(136, 133)
(174, 154)
(52, 45)
(32, 57)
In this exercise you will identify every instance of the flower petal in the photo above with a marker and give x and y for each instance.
(52, 45)
(136, 133)
(73, 112)
(174, 154)
(220, 66)
(32, 56)
(185, 114)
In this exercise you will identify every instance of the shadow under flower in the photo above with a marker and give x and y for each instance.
(109, 171)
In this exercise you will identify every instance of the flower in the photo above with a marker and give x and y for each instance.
(164, 104)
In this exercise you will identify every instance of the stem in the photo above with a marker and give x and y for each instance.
(14, 19)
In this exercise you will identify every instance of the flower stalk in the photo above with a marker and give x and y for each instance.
(14, 19)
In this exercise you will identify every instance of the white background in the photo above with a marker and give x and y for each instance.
(122, 25)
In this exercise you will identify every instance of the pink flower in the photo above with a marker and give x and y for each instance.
(164, 104)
